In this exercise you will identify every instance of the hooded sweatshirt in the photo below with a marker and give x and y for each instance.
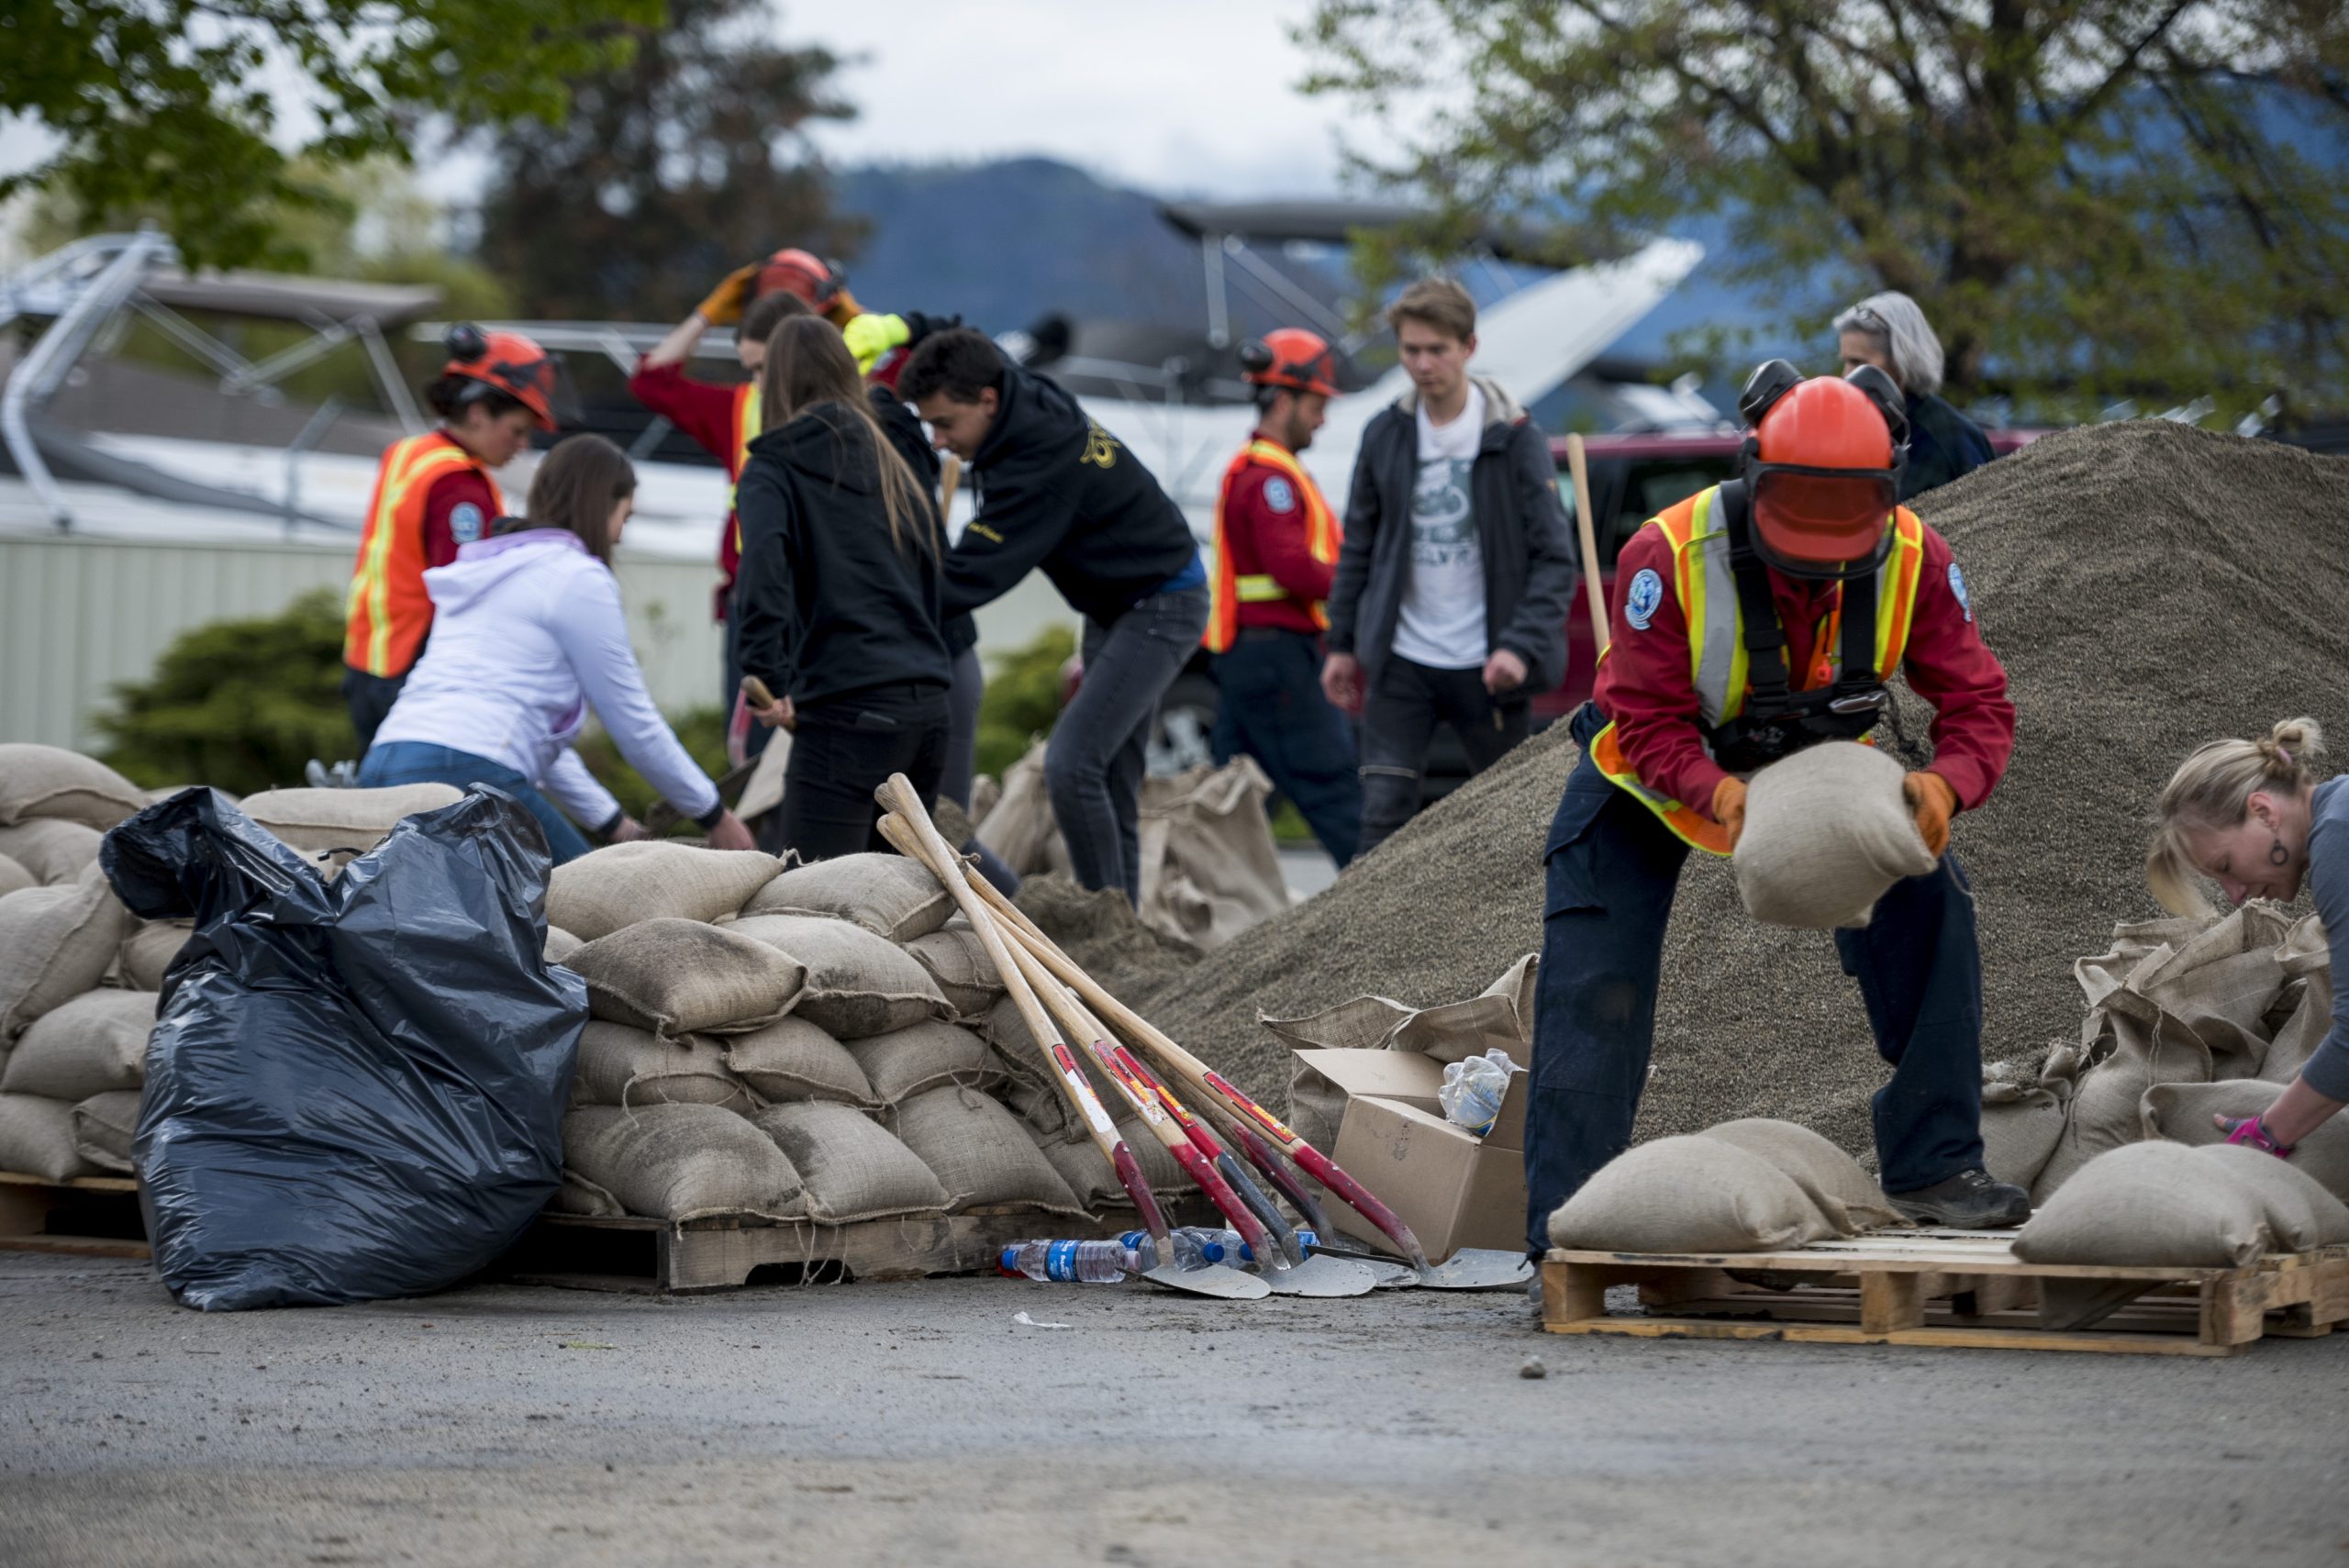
(527, 633)
(1057, 491)
(826, 605)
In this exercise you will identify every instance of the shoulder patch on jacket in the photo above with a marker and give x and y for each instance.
(1278, 496)
(1957, 587)
(465, 523)
(1639, 604)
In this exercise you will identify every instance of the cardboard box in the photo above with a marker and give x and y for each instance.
(1452, 1188)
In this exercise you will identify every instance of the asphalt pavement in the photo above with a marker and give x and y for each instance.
(931, 1423)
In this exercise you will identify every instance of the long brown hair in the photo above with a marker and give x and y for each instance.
(807, 364)
(576, 488)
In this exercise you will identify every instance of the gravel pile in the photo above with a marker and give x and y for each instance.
(2148, 586)
(1101, 931)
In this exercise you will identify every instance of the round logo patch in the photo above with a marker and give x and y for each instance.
(465, 522)
(1278, 496)
(1647, 593)
(1957, 587)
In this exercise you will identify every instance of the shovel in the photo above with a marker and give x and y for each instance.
(915, 836)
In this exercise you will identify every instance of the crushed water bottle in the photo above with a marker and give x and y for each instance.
(1082, 1262)
(1472, 1090)
(1197, 1246)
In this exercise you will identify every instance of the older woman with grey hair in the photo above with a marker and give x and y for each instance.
(1888, 331)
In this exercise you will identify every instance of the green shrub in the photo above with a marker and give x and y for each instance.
(1023, 698)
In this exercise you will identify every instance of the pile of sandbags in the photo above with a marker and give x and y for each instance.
(774, 1043)
(1210, 870)
(2186, 1018)
(1752, 1186)
(2159, 1204)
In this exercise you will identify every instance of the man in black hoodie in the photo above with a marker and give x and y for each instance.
(1057, 491)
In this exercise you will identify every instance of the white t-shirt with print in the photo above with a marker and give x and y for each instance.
(1442, 621)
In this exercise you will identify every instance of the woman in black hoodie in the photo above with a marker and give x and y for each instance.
(836, 607)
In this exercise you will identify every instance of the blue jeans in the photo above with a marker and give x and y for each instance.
(1093, 763)
(1270, 706)
(421, 762)
(1613, 867)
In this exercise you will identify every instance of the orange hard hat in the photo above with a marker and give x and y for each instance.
(1823, 469)
(506, 363)
(801, 273)
(1293, 358)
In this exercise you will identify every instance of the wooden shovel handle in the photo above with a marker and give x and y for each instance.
(1578, 465)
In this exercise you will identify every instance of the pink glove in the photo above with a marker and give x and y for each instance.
(2253, 1133)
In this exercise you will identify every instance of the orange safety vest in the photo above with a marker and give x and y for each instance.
(389, 612)
(1717, 661)
(746, 431)
(1227, 590)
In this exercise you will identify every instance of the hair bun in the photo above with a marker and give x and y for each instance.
(2294, 739)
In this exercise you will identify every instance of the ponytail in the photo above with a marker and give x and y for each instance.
(2212, 791)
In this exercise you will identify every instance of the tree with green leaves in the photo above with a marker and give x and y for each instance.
(181, 106)
(676, 166)
(2090, 198)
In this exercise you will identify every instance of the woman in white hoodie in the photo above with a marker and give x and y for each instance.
(527, 634)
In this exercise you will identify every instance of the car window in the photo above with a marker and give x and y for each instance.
(1631, 491)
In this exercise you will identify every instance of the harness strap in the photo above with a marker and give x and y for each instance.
(1765, 640)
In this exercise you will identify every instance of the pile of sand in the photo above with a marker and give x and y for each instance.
(2148, 586)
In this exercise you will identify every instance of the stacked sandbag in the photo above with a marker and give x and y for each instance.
(2161, 1205)
(64, 1038)
(331, 827)
(1033, 1093)
(1752, 1186)
(622, 884)
(48, 782)
(957, 960)
(1827, 834)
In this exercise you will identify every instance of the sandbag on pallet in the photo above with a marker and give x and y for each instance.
(578, 1195)
(1832, 1179)
(55, 944)
(2019, 1130)
(50, 782)
(895, 898)
(854, 1167)
(623, 1067)
(978, 1152)
(83, 1047)
(957, 961)
(1827, 834)
(790, 1059)
(2181, 1113)
(677, 976)
(682, 1162)
(2159, 1204)
(858, 985)
(54, 849)
(36, 1139)
(1688, 1194)
(622, 884)
(904, 1063)
(103, 1128)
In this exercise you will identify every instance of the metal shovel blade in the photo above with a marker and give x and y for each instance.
(1321, 1276)
(1480, 1268)
(1387, 1275)
(1228, 1284)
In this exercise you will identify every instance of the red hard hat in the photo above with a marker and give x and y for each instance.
(506, 363)
(801, 273)
(1824, 467)
(1291, 356)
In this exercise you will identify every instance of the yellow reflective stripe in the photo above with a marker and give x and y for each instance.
(1259, 590)
(405, 468)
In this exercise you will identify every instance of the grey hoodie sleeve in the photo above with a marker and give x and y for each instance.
(1353, 551)
(2327, 1072)
(1550, 557)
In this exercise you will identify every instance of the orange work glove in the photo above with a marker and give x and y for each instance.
(724, 306)
(1934, 803)
(1729, 806)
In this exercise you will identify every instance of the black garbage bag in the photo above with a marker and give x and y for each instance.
(355, 1089)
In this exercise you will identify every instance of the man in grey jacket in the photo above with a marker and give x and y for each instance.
(1458, 567)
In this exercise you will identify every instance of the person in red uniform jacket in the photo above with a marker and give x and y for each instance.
(1856, 588)
(1276, 550)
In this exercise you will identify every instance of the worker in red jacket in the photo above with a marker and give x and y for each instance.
(1804, 564)
(1275, 549)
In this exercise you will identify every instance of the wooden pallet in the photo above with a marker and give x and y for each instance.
(661, 1256)
(89, 1216)
(1937, 1287)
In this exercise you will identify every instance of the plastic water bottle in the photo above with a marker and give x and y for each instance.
(1226, 1247)
(1084, 1262)
(1197, 1246)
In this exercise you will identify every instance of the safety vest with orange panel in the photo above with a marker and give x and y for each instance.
(388, 610)
(1275, 547)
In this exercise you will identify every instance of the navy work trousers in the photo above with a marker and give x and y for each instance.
(1270, 706)
(1612, 869)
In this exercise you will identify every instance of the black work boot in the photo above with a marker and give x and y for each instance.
(1970, 1200)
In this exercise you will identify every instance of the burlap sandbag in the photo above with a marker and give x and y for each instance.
(1827, 833)
(83, 1047)
(14, 877)
(1499, 1018)
(1832, 1179)
(854, 1168)
(2218, 985)
(1090, 1179)
(1210, 870)
(2149, 1205)
(2019, 1130)
(2181, 1113)
(316, 821)
(2301, 1213)
(55, 944)
(2103, 1115)
(581, 1196)
(1087, 1171)
(54, 850)
(46, 780)
(790, 1059)
(1019, 828)
(979, 1152)
(2302, 1030)
(927, 1055)
(103, 1127)
(958, 961)
(620, 884)
(148, 951)
(623, 1067)
(858, 985)
(561, 944)
(1691, 1194)
(682, 1162)
(678, 977)
(37, 1139)
(895, 898)
(1039, 1105)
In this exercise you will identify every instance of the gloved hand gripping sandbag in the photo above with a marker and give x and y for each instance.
(354, 1089)
(1827, 832)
